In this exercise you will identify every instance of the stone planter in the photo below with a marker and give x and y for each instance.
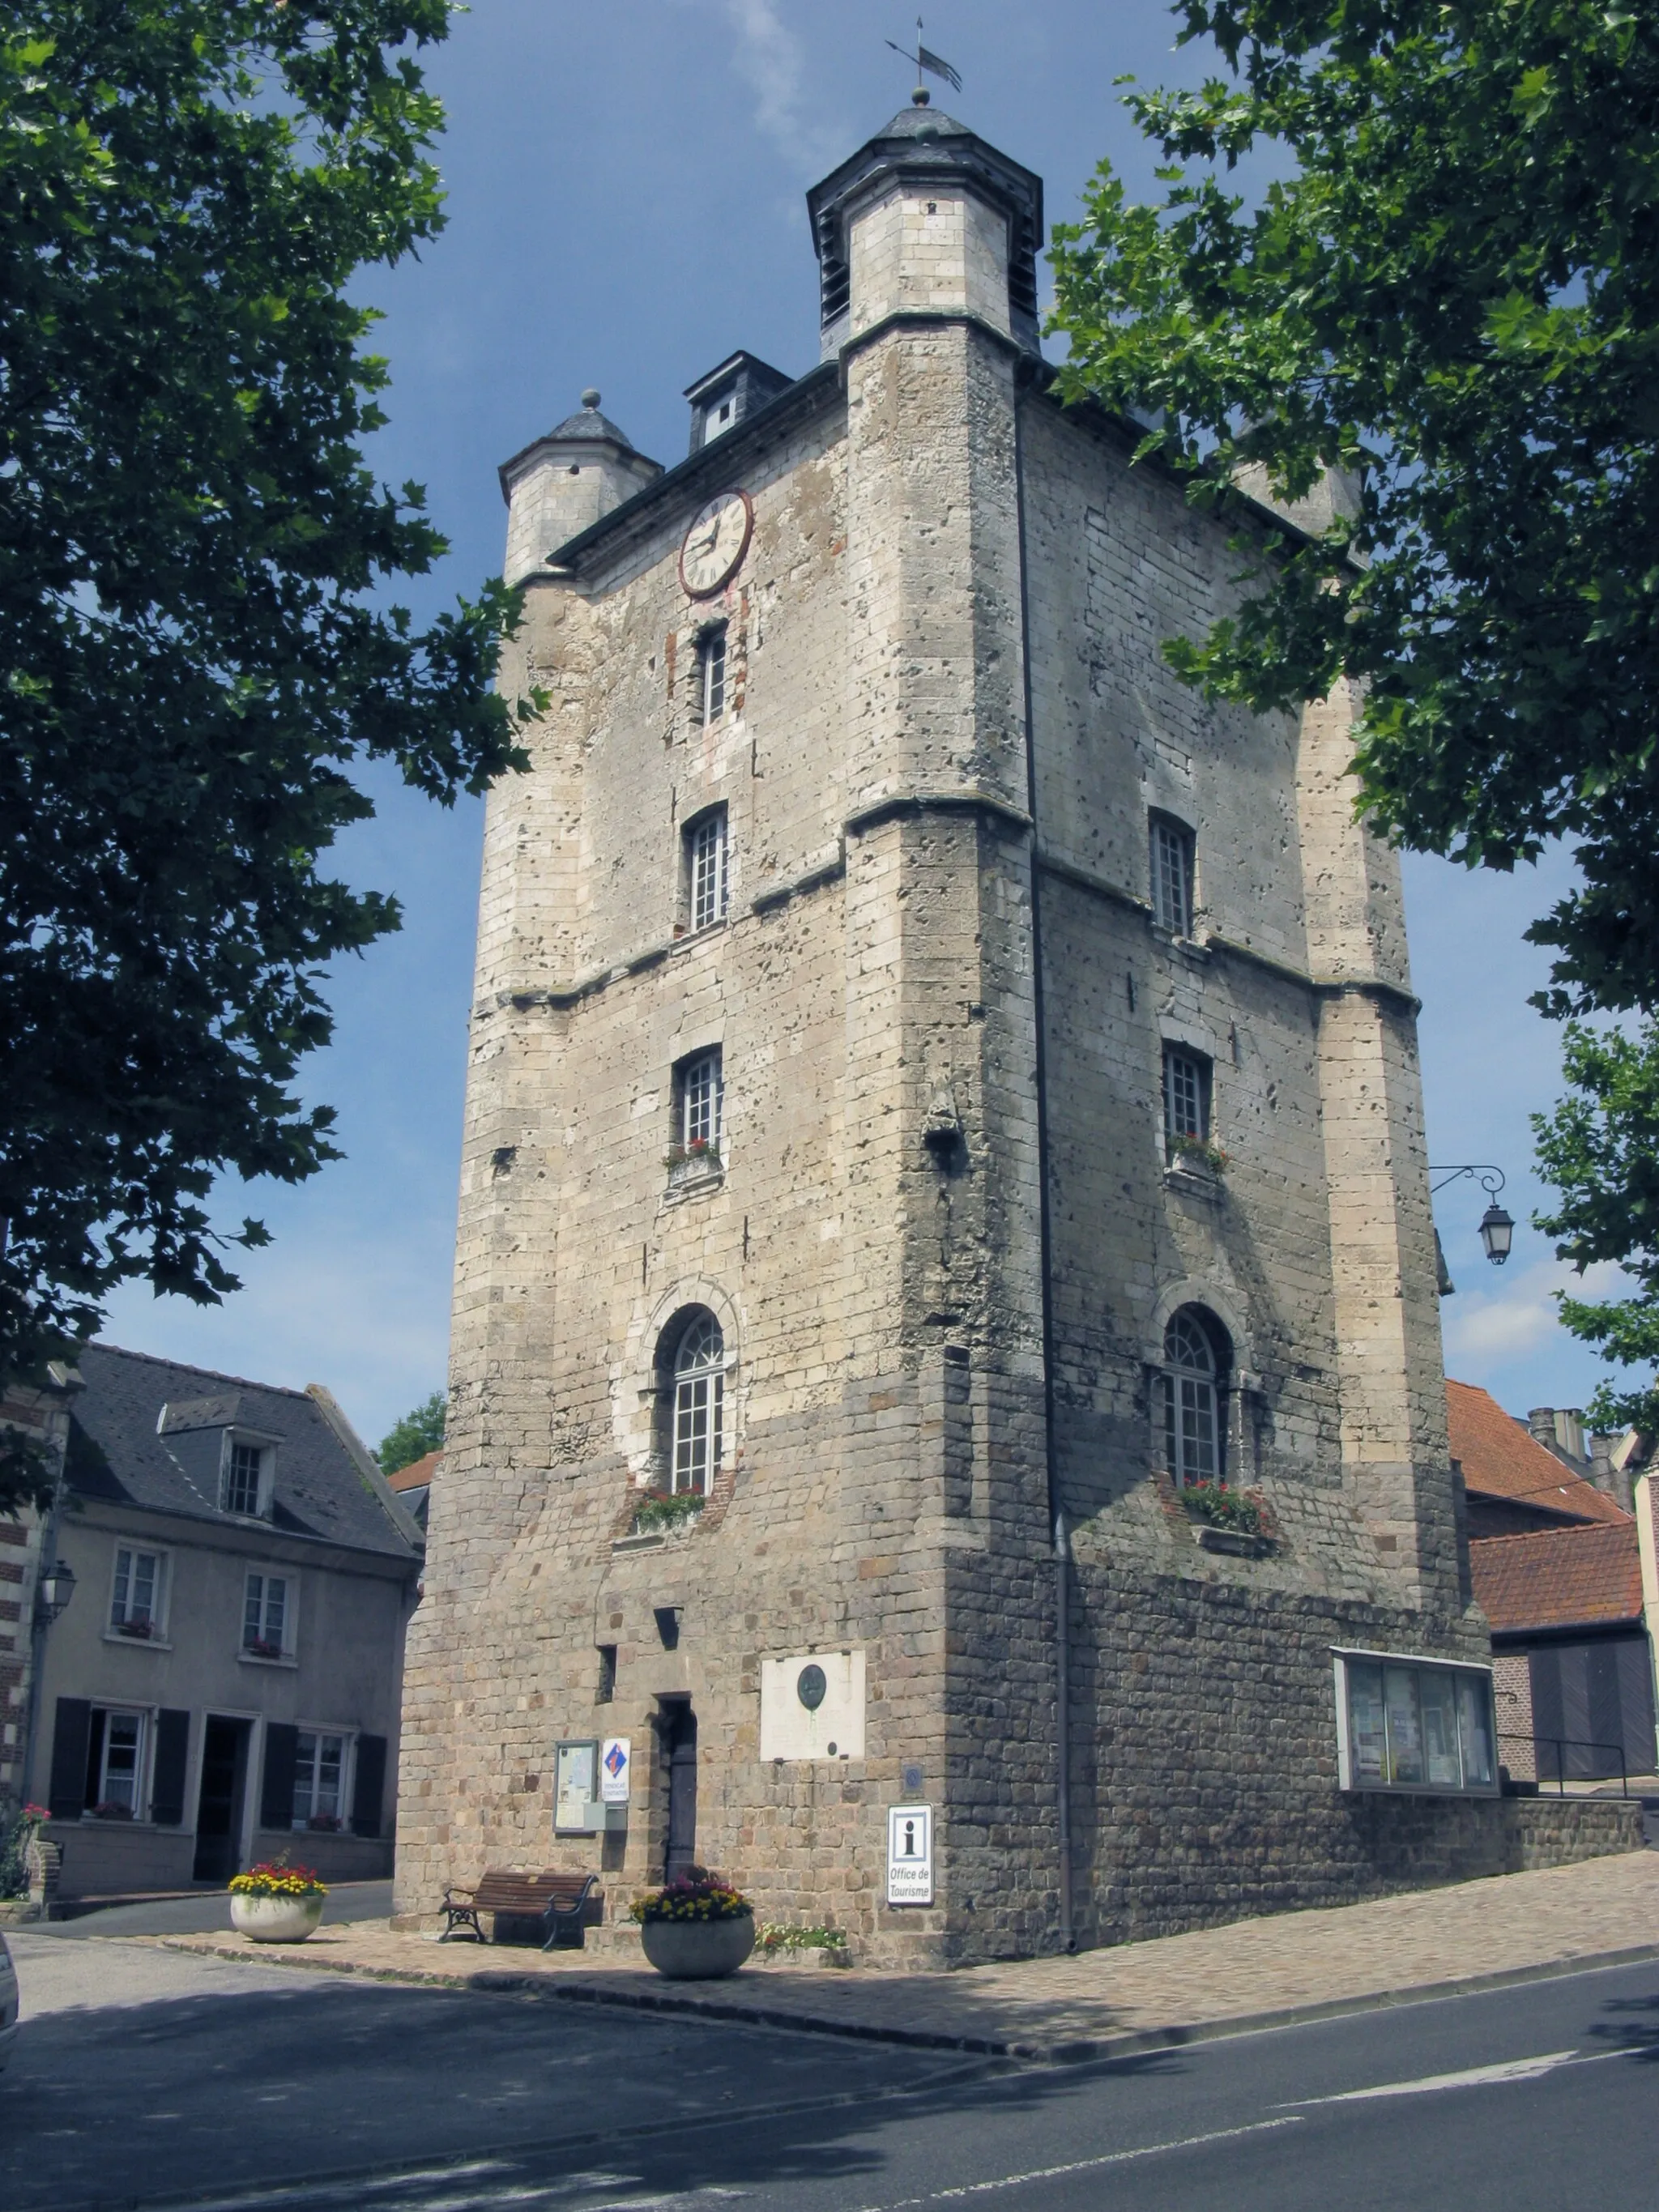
(1209, 1538)
(698, 1950)
(275, 1919)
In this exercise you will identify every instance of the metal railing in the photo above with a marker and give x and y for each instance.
(1560, 1744)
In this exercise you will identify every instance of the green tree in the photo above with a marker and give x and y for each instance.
(196, 639)
(1450, 290)
(414, 1436)
(1600, 1148)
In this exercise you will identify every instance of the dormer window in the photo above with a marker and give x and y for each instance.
(247, 1476)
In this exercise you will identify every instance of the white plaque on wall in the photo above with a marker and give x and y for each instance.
(812, 1706)
(615, 1763)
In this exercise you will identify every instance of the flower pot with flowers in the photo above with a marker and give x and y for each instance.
(696, 1926)
(1230, 1520)
(276, 1903)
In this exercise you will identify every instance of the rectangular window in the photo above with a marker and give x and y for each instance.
(136, 1596)
(1414, 1724)
(115, 1766)
(1186, 1097)
(711, 675)
(706, 857)
(702, 1093)
(243, 1471)
(1172, 876)
(265, 1617)
(318, 1766)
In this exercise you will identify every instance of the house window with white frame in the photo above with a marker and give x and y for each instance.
(1187, 1088)
(137, 1592)
(697, 1407)
(244, 1477)
(1172, 869)
(701, 1104)
(115, 1763)
(268, 1617)
(706, 867)
(711, 675)
(1191, 1387)
(319, 1779)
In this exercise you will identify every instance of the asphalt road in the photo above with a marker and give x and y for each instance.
(208, 1913)
(145, 2077)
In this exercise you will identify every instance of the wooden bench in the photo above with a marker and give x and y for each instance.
(559, 1901)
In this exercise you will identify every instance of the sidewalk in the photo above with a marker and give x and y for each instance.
(1136, 1996)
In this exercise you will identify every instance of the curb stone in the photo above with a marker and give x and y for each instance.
(1074, 2051)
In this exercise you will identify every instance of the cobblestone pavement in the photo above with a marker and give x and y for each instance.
(1293, 1965)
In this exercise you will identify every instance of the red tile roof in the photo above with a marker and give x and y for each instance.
(418, 1473)
(1559, 1578)
(1502, 1459)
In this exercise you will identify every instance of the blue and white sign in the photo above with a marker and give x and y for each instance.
(909, 1855)
(615, 1763)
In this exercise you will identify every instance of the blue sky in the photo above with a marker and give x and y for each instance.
(626, 186)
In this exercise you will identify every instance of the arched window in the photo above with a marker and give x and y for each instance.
(1196, 1355)
(696, 1408)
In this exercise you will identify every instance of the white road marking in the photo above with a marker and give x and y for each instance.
(1081, 2165)
(1477, 2077)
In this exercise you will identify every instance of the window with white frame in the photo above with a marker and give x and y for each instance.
(1187, 1087)
(696, 1405)
(137, 1592)
(1414, 1724)
(115, 1762)
(711, 675)
(247, 1465)
(1192, 1386)
(268, 1617)
(319, 1779)
(706, 859)
(1171, 858)
(701, 1103)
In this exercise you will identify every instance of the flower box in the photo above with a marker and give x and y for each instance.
(257, 1648)
(140, 1630)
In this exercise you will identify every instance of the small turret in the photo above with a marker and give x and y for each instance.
(566, 481)
(926, 217)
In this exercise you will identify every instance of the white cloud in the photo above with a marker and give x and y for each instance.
(772, 62)
(1486, 1329)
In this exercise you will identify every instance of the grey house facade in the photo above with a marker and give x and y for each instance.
(225, 1685)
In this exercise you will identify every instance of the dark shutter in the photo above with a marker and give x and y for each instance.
(166, 1795)
(369, 1790)
(70, 1735)
(276, 1796)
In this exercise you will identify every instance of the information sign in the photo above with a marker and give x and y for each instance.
(909, 1855)
(615, 1766)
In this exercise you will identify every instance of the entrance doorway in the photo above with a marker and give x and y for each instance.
(224, 1789)
(679, 1741)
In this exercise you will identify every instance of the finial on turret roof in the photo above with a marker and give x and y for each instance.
(590, 397)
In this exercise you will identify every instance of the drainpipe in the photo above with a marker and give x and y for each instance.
(1056, 1512)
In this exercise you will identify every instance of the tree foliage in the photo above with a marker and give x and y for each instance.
(196, 637)
(415, 1435)
(1600, 1148)
(1450, 291)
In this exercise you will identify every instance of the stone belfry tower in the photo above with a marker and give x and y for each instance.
(934, 1084)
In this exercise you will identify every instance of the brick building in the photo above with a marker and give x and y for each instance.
(941, 1096)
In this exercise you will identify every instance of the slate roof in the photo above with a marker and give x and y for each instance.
(116, 1454)
(1580, 1577)
(1501, 1459)
(591, 425)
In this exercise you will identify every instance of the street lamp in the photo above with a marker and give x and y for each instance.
(53, 1592)
(1497, 1227)
(1496, 1233)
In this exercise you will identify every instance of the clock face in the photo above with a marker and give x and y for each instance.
(715, 543)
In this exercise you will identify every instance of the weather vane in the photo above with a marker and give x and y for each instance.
(935, 64)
